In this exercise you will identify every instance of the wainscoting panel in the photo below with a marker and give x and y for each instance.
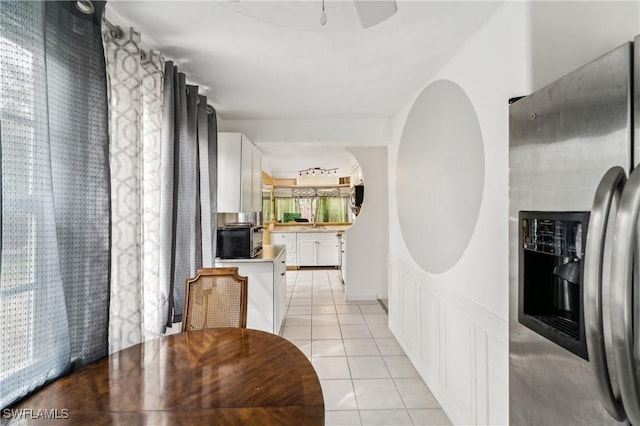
(410, 309)
(395, 297)
(430, 334)
(497, 389)
(459, 348)
(459, 360)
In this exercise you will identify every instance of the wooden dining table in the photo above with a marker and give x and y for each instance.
(224, 376)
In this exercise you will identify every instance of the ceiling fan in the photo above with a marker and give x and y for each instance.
(303, 14)
(374, 12)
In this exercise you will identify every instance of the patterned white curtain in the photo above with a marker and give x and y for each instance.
(139, 304)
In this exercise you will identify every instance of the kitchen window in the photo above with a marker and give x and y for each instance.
(313, 209)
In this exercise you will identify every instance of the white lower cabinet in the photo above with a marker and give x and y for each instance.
(280, 294)
(267, 290)
(343, 258)
(317, 249)
(309, 248)
(327, 251)
(287, 239)
(306, 252)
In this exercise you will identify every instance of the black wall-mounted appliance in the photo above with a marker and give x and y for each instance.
(356, 199)
(357, 195)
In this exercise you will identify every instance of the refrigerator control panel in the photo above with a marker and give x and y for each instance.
(559, 237)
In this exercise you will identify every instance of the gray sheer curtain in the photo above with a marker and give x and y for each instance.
(54, 265)
(189, 138)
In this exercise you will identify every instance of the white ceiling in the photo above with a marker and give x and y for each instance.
(262, 60)
(280, 160)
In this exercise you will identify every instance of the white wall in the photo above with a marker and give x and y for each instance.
(453, 325)
(367, 238)
(365, 131)
(491, 68)
(311, 180)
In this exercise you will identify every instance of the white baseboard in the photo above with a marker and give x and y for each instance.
(361, 297)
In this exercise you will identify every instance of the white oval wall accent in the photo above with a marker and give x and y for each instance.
(439, 176)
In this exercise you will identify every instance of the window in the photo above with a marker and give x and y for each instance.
(332, 209)
(19, 205)
(285, 205)
(314, 209)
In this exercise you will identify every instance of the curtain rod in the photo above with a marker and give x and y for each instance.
(116, 31)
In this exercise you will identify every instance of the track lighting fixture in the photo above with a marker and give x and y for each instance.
(313, 171)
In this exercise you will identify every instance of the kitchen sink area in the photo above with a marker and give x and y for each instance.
(311, 244)
(309, 228)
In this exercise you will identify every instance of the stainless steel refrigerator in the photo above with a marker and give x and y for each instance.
(574, 188)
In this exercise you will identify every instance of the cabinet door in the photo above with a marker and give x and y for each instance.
(306, 253)
(279, 292)
(287, 239)
(280, 306)
(278, 238)
(229, 171)
(343, 259)
(256, 180)
(246, 189)
(292, 258)
(327, 252)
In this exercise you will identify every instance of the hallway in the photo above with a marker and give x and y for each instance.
(366, 377)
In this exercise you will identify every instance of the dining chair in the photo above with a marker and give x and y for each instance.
(215, 297)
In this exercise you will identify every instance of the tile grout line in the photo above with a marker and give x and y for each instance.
(344, 348)
(353, 388)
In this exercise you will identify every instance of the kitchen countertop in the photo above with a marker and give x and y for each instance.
(309, 228)
(269, 253)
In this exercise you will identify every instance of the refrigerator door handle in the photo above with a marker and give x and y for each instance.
(625, 248)
(607, 194)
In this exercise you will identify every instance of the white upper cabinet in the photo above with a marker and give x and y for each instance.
(256, 180)
(239, 174)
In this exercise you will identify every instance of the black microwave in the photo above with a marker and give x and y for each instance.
(238, 241)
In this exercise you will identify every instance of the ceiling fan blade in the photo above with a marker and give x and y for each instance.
(374, 12)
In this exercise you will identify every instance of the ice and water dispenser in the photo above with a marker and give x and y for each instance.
(551, 276)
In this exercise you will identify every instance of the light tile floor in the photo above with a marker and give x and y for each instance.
(366, 377)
